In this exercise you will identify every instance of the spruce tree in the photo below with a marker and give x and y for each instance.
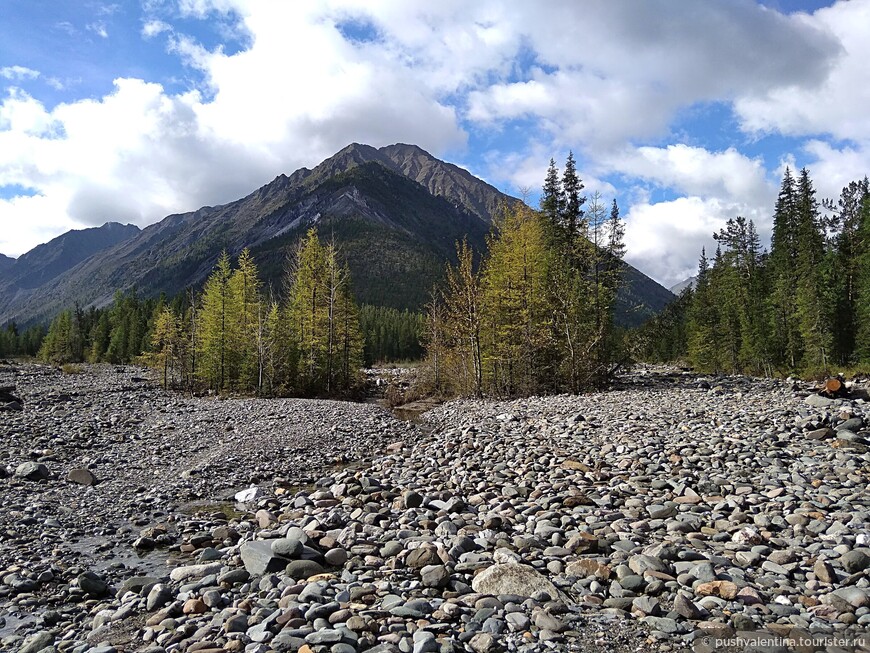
(703, 320)
(572, 218)
(786, 340)
(813, 312)
(553, 201)
(862, 285)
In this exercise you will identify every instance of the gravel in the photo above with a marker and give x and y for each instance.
(670, 513)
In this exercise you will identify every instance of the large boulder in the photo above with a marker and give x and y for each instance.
(513, 578)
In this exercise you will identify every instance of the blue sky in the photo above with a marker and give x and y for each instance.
(685, 112)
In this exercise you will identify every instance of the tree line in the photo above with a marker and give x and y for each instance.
(21, 343)
(308, 338)
(534, 313)
(803, 307)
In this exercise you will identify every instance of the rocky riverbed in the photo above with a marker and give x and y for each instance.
(672, 513)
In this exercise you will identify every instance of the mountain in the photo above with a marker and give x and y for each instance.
(5, 263)
(685, 283)
(395, 212)
(26, 279)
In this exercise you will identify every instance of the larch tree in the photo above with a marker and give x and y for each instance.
(165, 340)
(244, 331)
(217, 319)
(515, 309)
(462, 309)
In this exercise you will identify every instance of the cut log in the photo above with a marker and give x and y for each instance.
(832, 386)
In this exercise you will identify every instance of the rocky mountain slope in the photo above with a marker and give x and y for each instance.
(25, 277)
(395, 212)
(6, 262)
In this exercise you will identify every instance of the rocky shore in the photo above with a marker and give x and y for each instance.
(672, 513)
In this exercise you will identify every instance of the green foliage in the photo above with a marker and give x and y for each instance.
(27, 343)
(804, 308)
(391, 335)
(232, 337)
(537, 314)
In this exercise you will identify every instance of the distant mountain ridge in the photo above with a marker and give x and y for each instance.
(395, 212)
(6, 262)
(677, 288)
(25, 276)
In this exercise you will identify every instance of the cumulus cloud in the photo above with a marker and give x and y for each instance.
(838, 104)
(664, 239)
(606, 78)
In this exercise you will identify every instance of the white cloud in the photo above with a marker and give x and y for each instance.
(729, 174)
(29, 221)
(606, 78)
(664, 240)
(838, 104)
(18, 72)
(98, 28)
(152, 28)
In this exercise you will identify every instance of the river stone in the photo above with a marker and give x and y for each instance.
(81, 476)
(516, 579)
(37, 642)
(159, 596)
(821, 434)
(855, 561)
(817, 401)
(484, 643)
(259, 558)
(289, 547)
(422, 557)
(435, 576)
(92, 585)
(300, 569)
(32, 471)
(586, 568)
(824, 572)
(722, 588)
(641, 563)
(188, 572)
(854, 596)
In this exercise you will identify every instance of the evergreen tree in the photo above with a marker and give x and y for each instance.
(786, 341)
(702, 321)
(553, 201)
(323, 321)
(164, 344)
(572, 219)
(842, 267)
(812, 310)
(741, 291)
(462, 311)
(57, 346)
(862, 285)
